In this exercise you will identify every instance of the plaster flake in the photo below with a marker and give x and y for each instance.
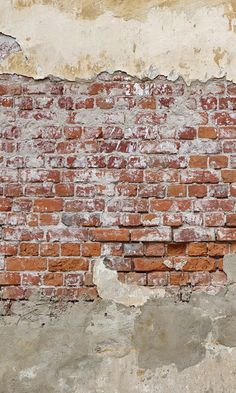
(110, 288)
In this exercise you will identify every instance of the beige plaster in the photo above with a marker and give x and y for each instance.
(79, 39)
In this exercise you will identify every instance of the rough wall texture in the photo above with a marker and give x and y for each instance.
(117, 193)
(143, 38)
(140, 173)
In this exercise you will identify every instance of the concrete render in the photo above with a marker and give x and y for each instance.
(183, 342)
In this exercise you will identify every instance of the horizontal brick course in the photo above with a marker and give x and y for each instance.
(115, 169)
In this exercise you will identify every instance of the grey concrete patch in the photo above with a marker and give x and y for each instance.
(170, 334)
(226, 331)
(229, 266)
(98, 347)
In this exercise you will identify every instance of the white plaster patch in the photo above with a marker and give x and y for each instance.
(168, 42)
(110, 288)
(28, 373)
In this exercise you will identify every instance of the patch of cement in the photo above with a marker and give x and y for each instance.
(98, 347)
(173, 334)
(226, 331)
(229, 267)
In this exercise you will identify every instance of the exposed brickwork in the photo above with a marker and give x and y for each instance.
(142, 173)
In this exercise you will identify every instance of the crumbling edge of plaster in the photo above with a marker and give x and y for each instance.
(229, 267)
(110, 288)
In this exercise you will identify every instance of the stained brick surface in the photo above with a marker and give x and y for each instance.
(117, 168)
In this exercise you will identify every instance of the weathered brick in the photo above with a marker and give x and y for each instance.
(158, 279)
(151, 235)
(112, 235)
(115, 169)
(67, 264)
(22, 263)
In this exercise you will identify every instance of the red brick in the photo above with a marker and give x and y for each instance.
(29, 249)
(105, 103)
(48, 205)
(91, 249)
(136, 278)
(8, 249)
(9, 279)
(24, 103)
(226, 234)
(179, 278)
(53, 279)
(200, 278)
(151, 235)
(170, 176)
(176, 190)
(10, 89)
(227, 103)
(228, 175)
(64, 190)
(157, 279)
(111, 235)
(197, 249)
(199, 176)
(21, 264)
(174, 249)
(197, 190)
(224, 118)
(214, 219)
(199, 264)
(74, 132)
(192, 234)
(227, 132)
(218, 278)
(14, 293)
(112, 249)
(231, 220)
(87, 103)
(187, 133)
(218, 249)
(49, 249)
(170, 205)
(13, 190)
(49, 219)
(198, 162)
(229, 146)
(149, 264)
(218, 162)
(70, 249)
(214, 205)
(67, 264)
(154, 249)
(5, 204)
(31, 279)
(147, 103)
(73, 279)
(118, 264)
(207, 132)
(131, 219)
(208, 103)
(172, 219)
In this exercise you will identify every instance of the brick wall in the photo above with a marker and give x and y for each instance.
(142, 173)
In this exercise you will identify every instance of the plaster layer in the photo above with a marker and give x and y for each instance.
(80, 39)
(163, 346)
